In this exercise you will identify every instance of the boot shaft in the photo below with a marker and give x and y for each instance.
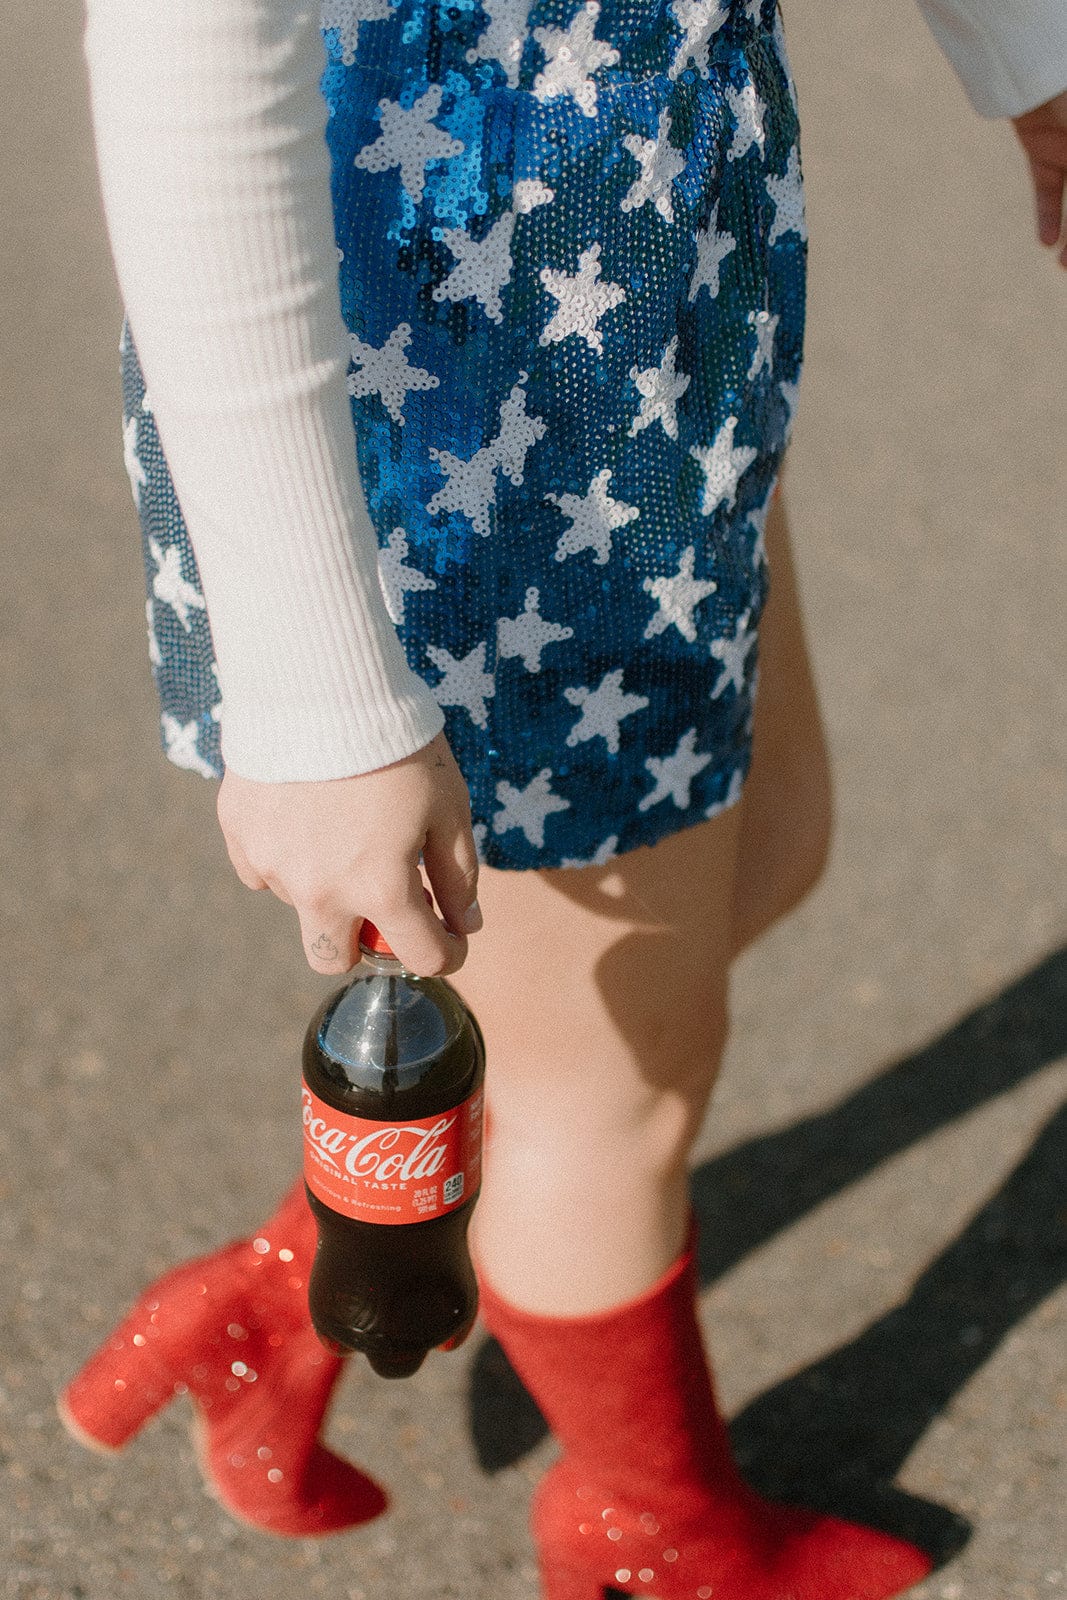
(631, 1384)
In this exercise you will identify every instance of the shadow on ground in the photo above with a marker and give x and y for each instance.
(834, 1434)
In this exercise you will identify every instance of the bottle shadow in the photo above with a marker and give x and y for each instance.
(833, 1434)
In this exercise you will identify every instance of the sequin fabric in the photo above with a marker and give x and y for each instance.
(572, 264)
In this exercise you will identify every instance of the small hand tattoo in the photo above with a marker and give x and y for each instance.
(440, 761)
(324, 949)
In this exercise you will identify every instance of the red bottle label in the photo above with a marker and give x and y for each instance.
(393, 1172)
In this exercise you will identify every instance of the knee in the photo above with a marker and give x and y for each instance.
(621, 1110)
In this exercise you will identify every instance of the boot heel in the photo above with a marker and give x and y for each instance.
(562, 1580)
(116, 1392)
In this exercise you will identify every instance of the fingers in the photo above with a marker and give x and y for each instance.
(403, 915)
(416, 935)
(1048, 192)
(243, 867)
(345, 850)
(329, 929)
(330, 943)
(451, 862)
(278, 888)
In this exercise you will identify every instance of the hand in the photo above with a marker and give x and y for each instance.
(342, 850)
(1043, 135)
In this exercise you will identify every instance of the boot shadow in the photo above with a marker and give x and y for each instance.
(747, 1195)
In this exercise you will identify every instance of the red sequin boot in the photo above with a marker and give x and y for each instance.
(646, 1497)
(232, 1330)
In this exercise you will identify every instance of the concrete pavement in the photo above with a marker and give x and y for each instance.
(882, 1172)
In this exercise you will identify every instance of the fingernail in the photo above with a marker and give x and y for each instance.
(471, 919)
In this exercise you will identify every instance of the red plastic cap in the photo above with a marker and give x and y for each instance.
(371, 939)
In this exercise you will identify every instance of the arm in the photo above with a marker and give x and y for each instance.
(209, 128)
(1043, 135)
(214, 171)
(1011, 57)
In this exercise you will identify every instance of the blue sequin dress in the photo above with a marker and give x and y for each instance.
(572, 262)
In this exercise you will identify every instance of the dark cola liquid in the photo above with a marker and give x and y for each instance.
(392, 1047)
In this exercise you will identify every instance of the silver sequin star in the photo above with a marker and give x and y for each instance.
(571, 54)
(701, 20)
(471, 486)
(465, 682)
(787, 192)
(660, 163)
(603, 709)
(723, 466)
(678, 598)
(395, 578)
(155, 655)
(594, 517)
(387, 371)
(583, 300)
(518, 432)
(409, 140)
(733, 653)
(346, 16)
(179, 739)
(483, 266)
(529, 193)
(748, 110)
(134, 467)
(766, 327)
(674, 773)
(527, 634)
(505, 36)
(528, 808)
(712, 249)
(169, 586)
(660, 389)
(604, 852)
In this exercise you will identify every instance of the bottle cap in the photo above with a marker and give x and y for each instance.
(371, 939)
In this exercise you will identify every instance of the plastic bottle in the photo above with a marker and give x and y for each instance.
(392, 1105)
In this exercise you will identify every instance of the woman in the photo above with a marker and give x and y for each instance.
(543, 281)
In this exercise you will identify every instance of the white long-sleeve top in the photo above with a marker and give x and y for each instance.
(1010, 55)
(215, 173)
(209, 127)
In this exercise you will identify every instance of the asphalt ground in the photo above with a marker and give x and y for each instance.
(881, 1174)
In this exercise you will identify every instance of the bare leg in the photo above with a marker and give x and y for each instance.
(603, 996)
(786, 804)
(607, 988)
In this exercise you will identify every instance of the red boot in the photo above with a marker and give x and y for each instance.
(232, 1330)
(646, 1497)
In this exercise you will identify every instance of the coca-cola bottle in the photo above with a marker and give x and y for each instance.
(392, 1092)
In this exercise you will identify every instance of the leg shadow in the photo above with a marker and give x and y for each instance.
(834, 1435)
(747, 1195)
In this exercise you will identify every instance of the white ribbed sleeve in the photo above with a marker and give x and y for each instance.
(1010, 55)
(215, 177)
